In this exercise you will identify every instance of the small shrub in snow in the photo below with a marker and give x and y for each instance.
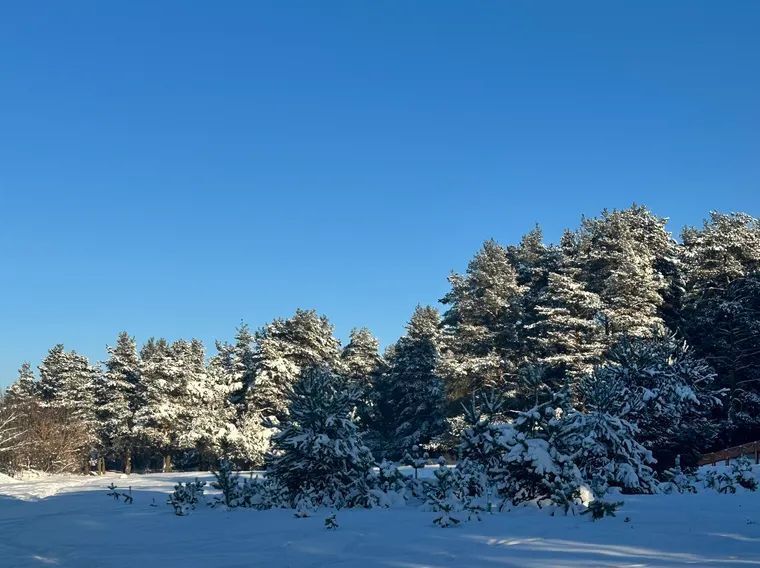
(331, 523)
(227, 480)
(678, 481)
(416, 459)
(127, 497)
(450, 497)
(388, 485)
(186, 496)
(599, 509)
(304, 504)
(739, 475)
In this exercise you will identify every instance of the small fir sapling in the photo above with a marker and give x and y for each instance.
(739, 475)
(227, 480)
(186, 496)
(120, 494)
(599, 509)
(331, 523)
(676, 480)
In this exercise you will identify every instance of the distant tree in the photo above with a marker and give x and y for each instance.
(25, 390)
(162, 419)
(415, 393)
(283, 349)
(480, 339)
(567, 335)
(721, 315)
(117, 400)
(627, 257)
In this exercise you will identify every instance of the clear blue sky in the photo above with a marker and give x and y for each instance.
(171, 168)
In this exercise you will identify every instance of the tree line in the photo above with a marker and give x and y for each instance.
(617, 318)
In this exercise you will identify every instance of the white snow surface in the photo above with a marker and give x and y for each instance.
(69, 521)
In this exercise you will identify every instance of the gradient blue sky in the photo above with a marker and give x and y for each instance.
(171, 168)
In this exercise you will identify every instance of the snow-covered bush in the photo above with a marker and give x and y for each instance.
(727, 481)
(450, 497)
(319, 449)
(603, 442)
(670, 393)
(539, 465)
(676, 480)
(483, 446)
(186, 496)
(331, 523)
(599, 509)
(388, 486)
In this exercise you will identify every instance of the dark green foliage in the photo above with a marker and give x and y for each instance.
(186, 496)
(599, 509)
(319, 454)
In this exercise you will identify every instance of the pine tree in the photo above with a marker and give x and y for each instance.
(628, 259)
(671, 394)
(319, 453)
(24, 391)
(211, 416)
(361, 359)
(567, 335)
(722, 313)
(238, 362)
(414, 392)
(162, 419)
(481, 340)
(362, 366)
(603, 441)
(283, 349)
(117, 400)
(539, 463)
(67, 382)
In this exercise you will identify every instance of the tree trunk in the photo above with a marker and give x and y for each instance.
(101, 466)
(128, 462)
(167, 463)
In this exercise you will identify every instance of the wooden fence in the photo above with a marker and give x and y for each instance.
(750, 449)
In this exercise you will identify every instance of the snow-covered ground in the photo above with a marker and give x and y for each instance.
(69, 521)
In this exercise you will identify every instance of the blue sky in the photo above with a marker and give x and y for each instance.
(171, 168)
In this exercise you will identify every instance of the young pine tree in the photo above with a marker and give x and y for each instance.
(415, 397)
(319, 455)
(117, 400)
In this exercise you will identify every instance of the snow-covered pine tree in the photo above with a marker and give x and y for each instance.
(283, 349)
(211, 416)
(533, 261)
(319, 454)
(627, 258)
(603, 442)
(567, 335)
(414, 394)
(481, 345)
(117, 400)
(721, 316)
(483, 444)
(68, 384)
(238, 362)
(671, 393)
(539, 463)
(162, 418)
(24, 391)
(361, 359)
(362, 366)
